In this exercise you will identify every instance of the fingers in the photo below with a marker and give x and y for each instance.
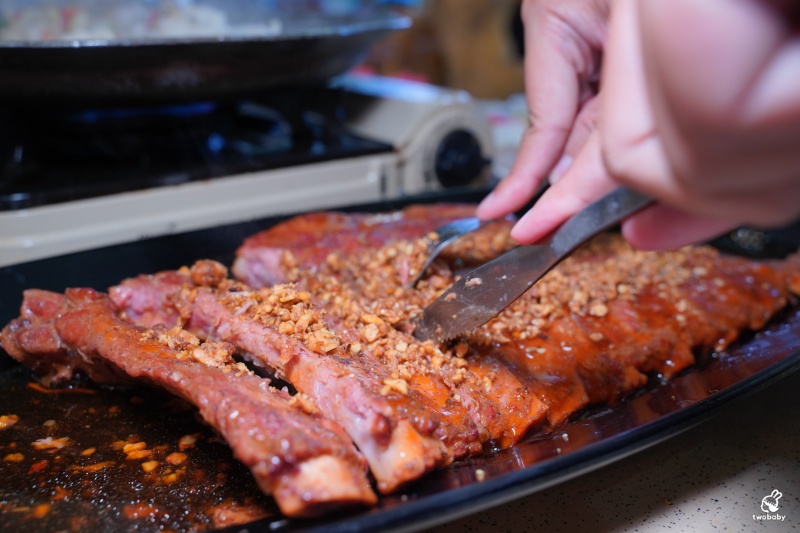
(557, 59)
(711, 153)
(661, 227)
(765, 206)
(519, 187)
(584, 182)
(532, 164)
(693, 113)
(584, 125)
(726, 98)
(631, 148)
(560, 56)
(717, 57)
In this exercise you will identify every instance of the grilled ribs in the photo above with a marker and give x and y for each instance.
(328, 311)
(311, 237)
(590, 331)
(402, 435)
(305, 461)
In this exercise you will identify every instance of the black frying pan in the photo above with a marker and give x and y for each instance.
(311, 47)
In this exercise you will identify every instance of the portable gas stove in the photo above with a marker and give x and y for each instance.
(76, 179)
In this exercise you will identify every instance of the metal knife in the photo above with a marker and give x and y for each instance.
(484, 292)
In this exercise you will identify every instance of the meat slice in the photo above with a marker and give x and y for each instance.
(307, 240)
(403, 431)
(306, 462)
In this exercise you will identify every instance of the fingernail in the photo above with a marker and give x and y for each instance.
(561, 168)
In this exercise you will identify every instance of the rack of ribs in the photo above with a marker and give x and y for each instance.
(305, 461)
(591, 331)
(310, 237)
(328, 310)
(402, 432)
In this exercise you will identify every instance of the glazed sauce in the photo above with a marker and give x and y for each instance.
(101, 459)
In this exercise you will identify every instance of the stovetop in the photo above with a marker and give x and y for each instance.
(53, 155)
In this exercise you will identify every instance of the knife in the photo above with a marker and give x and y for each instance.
(483, 293)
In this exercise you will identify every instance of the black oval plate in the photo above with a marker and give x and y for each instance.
(587, 443)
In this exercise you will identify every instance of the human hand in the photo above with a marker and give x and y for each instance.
(699, 110)
(563, 45)
(719, 147)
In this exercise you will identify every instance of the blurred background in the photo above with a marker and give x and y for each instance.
(474, 45)
(106, 98)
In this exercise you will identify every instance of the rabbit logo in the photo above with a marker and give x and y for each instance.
(769, 504)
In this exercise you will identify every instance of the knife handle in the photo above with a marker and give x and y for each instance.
(603, 214)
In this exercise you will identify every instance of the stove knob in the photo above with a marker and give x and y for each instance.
(459, 159)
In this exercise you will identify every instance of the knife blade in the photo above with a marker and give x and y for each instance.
(483, 293)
